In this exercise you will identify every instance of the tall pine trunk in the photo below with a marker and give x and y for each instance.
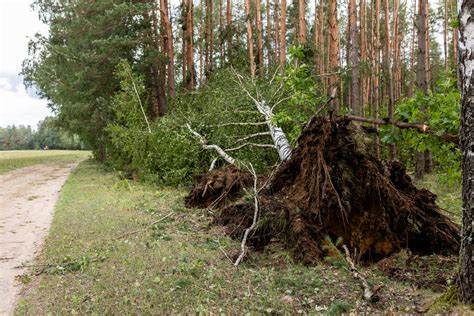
(354, 59)
(333, 53)
(421, 80)
(283, 36)
(301, 23)
(259, 37)
(250, 38)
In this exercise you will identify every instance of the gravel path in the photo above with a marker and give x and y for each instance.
(27, 200)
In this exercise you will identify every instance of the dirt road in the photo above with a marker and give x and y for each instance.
(27, 199)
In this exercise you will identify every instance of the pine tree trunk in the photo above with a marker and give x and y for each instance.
(333, 53)
(268, 37)
(466, 83)
(221, 37)
(201, 42)
(229, 29)
(363, 52)
(377, 71)
(389, 74)
(184, 42)
(301, 23)
(283, 36)
(412, 53)
(190, 77)
(428, 47)
(250, 38)
(211, 36)
(259, 38)
(168, 45)
(421, 80)
(321, 46)
(445, 37)
(354, 56)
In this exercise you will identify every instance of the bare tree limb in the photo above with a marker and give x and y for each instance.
(253, 135)
(369, 296)
(252, 145)
(204, 145)
(243, 245)
(241, 124)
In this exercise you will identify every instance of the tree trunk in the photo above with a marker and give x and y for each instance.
(421, 71)
(283, 36)
(250, 38)
(184, 42)
(201, 42)
(268, 37)
(412, 53)
(221, 37)
(376, 60)
(168, 45)
(428, 46)
(211, 37)
(190, 77)
(445, 37)
(276, 31)
(259, 38)
(389, 74)
(363, 51)
(466, 83)
(229, 29)
(333, 52)
(321, 46)
(354, 57)
(301, 23)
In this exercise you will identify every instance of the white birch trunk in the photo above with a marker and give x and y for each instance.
(466, 83)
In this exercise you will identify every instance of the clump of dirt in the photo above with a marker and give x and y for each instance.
(434, 271)
(334, 186)
(218, 187)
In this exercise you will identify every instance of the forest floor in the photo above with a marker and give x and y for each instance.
(122, 247)
(27, 199)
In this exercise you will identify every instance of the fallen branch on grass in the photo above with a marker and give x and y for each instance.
(243, 245)
(369, 296)
(145, 228)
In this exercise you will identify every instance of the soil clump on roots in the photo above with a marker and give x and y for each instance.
(332, 186)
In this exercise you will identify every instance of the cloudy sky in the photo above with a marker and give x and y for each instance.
(17, 23)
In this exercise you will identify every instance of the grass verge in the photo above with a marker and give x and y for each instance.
(15, 159)
(120, 247)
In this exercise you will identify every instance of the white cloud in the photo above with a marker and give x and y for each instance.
(18, 23)
(17, 107)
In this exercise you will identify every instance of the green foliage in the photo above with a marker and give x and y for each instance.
(440, 110)
(73, 65)
(166, 154)
(305, 96)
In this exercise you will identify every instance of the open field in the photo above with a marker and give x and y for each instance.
(118, 247)
(14, 159)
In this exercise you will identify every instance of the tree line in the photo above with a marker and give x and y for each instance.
(47, 135)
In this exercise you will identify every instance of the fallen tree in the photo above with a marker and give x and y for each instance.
(334, 186)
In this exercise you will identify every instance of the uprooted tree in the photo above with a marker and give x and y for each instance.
(332, 185)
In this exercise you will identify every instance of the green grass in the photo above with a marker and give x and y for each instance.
(448, 196)
(15, 159)
(120, 247)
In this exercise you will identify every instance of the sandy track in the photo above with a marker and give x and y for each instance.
(27, 199)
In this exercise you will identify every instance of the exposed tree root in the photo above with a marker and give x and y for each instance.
(334, 186)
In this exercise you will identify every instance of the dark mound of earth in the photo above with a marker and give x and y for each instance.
(332, 186)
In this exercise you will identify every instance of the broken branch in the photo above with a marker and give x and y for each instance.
(422, 128)
(369, 296)
(204, 145)
(255, 216)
